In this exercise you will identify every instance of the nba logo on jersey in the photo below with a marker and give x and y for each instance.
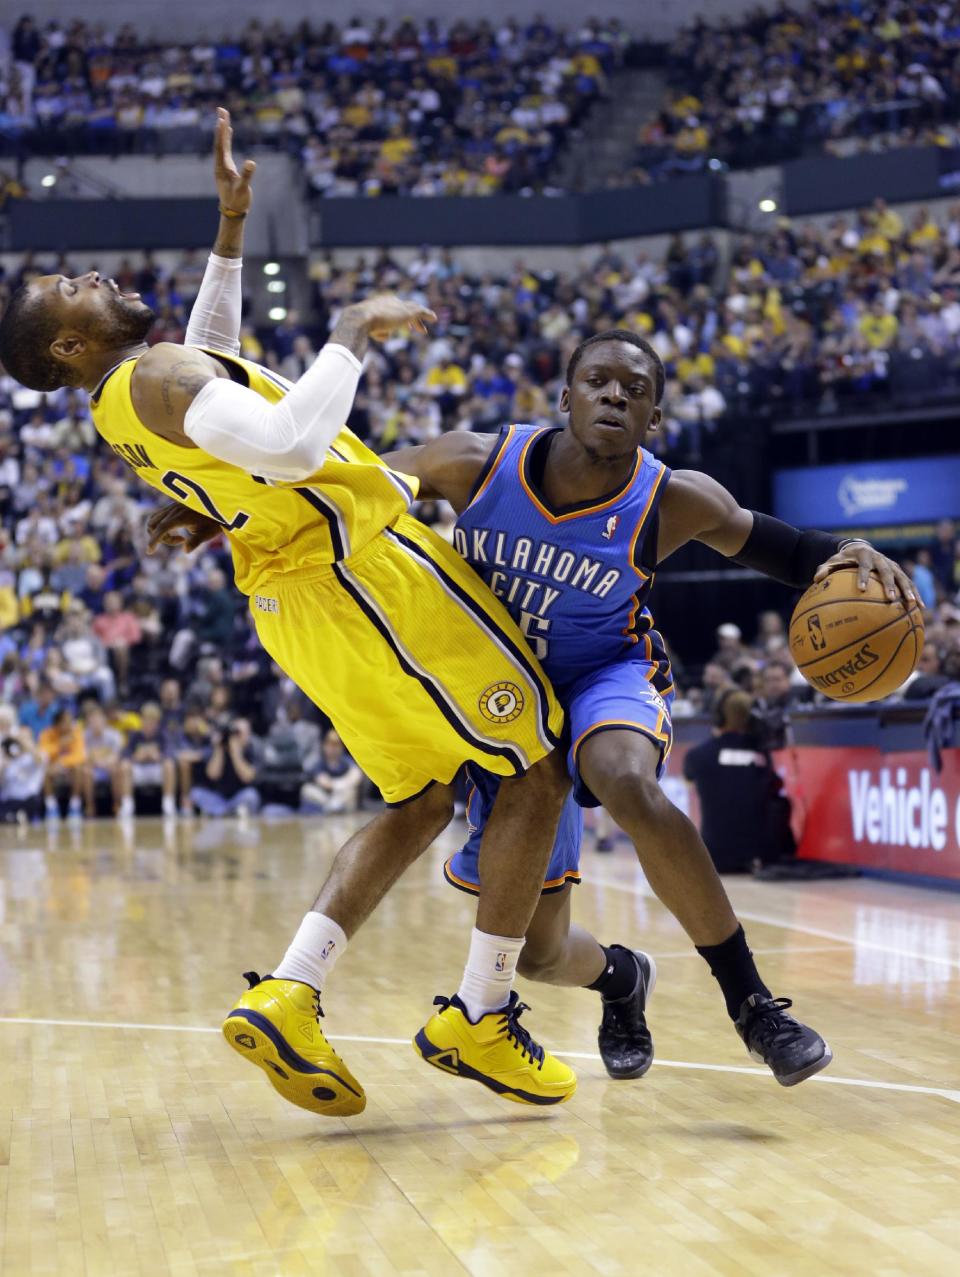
(501, 962)
(611, 527)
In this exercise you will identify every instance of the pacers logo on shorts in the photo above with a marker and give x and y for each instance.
(502, 703)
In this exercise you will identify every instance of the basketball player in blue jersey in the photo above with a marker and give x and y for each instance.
(567, 527)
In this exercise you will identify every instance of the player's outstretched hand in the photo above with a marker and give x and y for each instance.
(384, 313)
(177, 525)
(233, 186)
(862, 555)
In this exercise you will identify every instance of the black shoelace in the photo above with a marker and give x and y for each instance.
(521, 1036)
(514, 1031)
(770, 1026)
(253, 980)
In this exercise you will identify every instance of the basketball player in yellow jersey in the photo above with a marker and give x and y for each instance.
(378, 621)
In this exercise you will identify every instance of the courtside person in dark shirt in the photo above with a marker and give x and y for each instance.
(741, 806)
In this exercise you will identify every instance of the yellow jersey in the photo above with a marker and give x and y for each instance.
(274, 528)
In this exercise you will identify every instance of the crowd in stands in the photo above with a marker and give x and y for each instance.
(801, 319)
(843, 75)
(138, 680)
(425, 108)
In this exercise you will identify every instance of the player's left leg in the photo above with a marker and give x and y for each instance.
(620, 766)
(559, 951)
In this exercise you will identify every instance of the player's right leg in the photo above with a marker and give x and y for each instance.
(476, 1034)
(276, 1023)
(558, 951)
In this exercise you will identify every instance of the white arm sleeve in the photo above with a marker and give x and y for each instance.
(288, 440)
(215, 318)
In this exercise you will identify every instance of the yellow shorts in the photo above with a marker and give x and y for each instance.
(416, 663)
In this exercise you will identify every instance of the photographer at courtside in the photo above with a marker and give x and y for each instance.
(744, 815)
(228, 784)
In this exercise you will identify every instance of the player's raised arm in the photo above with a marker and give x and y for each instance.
(447, 467)
(215, 318)
(186, 397)
(697, 508)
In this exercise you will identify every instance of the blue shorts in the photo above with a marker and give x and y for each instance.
(620, 697)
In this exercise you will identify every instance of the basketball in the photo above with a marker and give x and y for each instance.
(855, 645)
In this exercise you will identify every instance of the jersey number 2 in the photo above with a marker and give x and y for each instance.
(182, 487)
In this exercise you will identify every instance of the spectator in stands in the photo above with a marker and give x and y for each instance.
(293, 741)
(929, 676)
(943, 555)
(228, 787)
(104, 746)
(119, 631)
(85, 657)
(147, 765)
(63, 746)
(730, 649)
(771, 634)
(171, 708)
(920, 569)
(334, 785)
(22, 769)
(716, 679)
(192, 748)
(777, 697)
(39, 710)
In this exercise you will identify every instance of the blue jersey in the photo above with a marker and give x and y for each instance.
(576, 580)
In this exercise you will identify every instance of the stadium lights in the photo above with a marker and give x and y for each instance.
(276, 313)
(271, 268)
(768, 205)
(276, 286)
(48, 179)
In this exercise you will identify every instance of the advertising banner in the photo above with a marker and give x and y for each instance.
(892, 811)
(869, 494)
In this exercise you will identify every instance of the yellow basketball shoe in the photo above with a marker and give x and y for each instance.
(276, 1024)
(495, 1051)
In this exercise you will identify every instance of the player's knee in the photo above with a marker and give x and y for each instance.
(633, 798)
(434, 809)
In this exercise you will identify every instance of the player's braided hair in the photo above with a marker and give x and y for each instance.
(620, 334)
(26, 331)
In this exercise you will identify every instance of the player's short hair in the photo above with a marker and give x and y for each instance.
(620, 334)
(26, 331)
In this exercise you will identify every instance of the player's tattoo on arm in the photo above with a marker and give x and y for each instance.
(351, 330)
(185, 375)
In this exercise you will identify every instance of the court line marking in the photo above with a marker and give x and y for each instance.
(792, 949)
(767, 920)
(943, 1092)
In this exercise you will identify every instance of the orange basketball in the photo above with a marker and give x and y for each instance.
(853, 644)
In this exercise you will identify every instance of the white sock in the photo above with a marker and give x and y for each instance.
(488, 975)
(313, 951)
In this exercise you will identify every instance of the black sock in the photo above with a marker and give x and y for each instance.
(734, 970)
(619, 977)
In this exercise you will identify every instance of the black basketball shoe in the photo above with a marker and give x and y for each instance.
(626, 1046)
(792, 1051)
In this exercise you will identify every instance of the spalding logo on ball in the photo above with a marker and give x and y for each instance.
(852, 644)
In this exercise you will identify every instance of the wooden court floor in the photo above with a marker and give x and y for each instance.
(133, 1142)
